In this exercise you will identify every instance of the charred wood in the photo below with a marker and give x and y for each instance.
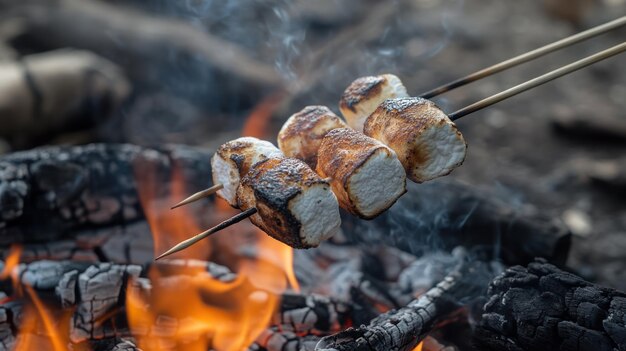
(114, 344)
(313, 314)
(95, 297)
(32, 104)
(541, 307)
(404, 328)
(56, 192)
(274, 339)
(94, 294)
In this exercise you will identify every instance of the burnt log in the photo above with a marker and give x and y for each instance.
(447, 214)
(404, 328)
(541, 307)
(273, 339)
(93, 294)
(95, 297)
(313, 314)
(62, 90)
(54, 193)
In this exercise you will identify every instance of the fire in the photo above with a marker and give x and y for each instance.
(187, 309)
(225, 316)
(419, 346)
(41, 327)
(12, 260)
(39, 320)
(259, 119)
(168, 227)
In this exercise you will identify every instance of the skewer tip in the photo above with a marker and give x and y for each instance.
(199, 195)
(186, 243)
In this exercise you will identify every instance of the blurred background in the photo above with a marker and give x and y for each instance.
(202, 72)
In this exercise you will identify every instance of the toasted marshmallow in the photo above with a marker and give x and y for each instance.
(426, 141)
(364, 95)
(294, 205)
(234, 159)
(366, 176)
(301, 136)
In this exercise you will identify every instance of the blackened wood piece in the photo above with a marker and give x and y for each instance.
(61, 90)
(404, 328)
(9, 312)
(544, 308)
(449, 214)
(49, 193)
(112, 344)
(312, 314)
(274, 339)
(95, 294)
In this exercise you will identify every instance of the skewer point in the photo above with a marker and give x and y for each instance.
(199, 195)
(186, 243)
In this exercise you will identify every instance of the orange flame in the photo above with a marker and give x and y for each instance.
(190, 310)
(41, 328)
(168, 227)
(419, 346)
(12, 260)
(259, 119)
(225, 316)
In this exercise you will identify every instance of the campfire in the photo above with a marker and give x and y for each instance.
(328, 229)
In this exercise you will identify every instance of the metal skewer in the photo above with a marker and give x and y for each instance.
(185, 244)
(525, 57)
(572, 67)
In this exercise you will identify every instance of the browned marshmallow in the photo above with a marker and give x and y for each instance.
(426, 141)
(364, 95)
(366, 176)
(302, 133)
(234, 159)
(294, 205)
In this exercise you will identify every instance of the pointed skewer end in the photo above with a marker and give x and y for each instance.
(199, 195)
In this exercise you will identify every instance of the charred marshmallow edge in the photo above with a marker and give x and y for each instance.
(364, 95)
(294, 205)
(301, 135)
(234, 159)
(427, 142)
(366, 176)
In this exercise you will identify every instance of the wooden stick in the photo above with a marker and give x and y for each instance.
(572, 67)
(199, 195)
(185, 244)
(528, 56)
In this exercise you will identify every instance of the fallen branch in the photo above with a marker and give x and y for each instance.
(56, 192)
